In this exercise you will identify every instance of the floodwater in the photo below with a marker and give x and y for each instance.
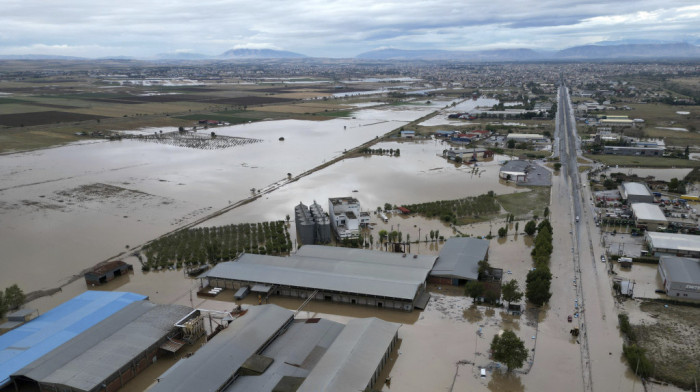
(65, 209)
(433, 342)
(420, 174)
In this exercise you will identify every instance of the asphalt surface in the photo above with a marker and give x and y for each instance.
(602, 367)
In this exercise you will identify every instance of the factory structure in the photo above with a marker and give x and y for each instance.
(267, 349)
(681, 276)
(672, 244)
(97, 341)
(346, 217)
(636, 192)
(459, 260)
(312, 224)
(334, 274)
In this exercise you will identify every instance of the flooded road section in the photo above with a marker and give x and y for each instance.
(67, 208)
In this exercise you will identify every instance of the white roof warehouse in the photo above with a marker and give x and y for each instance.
(357, 276)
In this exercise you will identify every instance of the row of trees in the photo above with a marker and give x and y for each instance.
(539, 279)
(454, 210)
(12, 298)
(381, 151)
(214, 244)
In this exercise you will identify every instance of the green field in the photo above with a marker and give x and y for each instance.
(639, 161)
(525, 204)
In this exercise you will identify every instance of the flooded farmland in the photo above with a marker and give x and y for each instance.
(67, 208)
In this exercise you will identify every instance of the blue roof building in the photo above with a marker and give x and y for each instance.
(40, 336)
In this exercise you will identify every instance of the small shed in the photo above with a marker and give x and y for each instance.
(625, 262)
(408, 134)
(104, 272)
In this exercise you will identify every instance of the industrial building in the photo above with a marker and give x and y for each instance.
(672, 244)
(458, 261)
(105, 272)
(634, 150)
(681, 276)
(346, 217)
(268, 350)
(527, 138)
(353, 276)
(636, 192)
(108, 354)
(649, 216)
(514, 170)
(312, 224)
(31, 341)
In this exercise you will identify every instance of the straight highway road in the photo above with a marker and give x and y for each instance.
(602, 365)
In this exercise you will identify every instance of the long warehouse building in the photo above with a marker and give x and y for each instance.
(103, 340)
(267, 349)
(354, 276)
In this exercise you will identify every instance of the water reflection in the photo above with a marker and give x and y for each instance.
(502, 381)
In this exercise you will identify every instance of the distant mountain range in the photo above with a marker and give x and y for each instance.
(585, 52)
(605, 50)
(260, 54)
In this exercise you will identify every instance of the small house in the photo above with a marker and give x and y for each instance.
(104, 272)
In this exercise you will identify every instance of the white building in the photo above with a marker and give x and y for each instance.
(681, 276)
(346, 216)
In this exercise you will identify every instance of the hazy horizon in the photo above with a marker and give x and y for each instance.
(330, 28)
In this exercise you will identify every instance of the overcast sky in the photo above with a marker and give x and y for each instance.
(328, 28)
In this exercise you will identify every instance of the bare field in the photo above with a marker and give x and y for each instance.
(662, 115)
(672, 342)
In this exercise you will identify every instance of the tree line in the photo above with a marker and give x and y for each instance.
(539, 279)
(454, 210)
(214, 244)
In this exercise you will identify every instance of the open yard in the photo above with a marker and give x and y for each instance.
(638, 161)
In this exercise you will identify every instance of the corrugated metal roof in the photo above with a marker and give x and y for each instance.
(681, 269)
(38, 337)
(366, 256)
(648, 211)
(459, 258)
(636, 188)
(684, 242)
(86, 361)
(351, 360)
(212, 366)
(334, 269)
(295, 352)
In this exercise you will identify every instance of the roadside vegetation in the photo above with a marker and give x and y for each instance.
(539, 279)
(215, 244)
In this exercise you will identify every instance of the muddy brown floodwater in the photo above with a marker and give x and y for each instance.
(451, 330)
(65, 209)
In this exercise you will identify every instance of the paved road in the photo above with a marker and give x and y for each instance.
(602, 368)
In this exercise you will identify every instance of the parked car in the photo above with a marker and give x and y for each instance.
(602, 258)
(570, 319)
(660, 291)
